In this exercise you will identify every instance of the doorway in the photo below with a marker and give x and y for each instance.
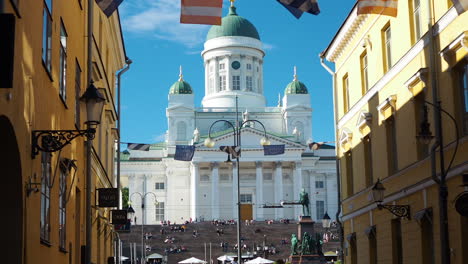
(10, 164)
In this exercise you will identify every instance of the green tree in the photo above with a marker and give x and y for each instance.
(125, 197)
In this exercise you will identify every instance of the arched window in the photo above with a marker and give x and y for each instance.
(181, 131)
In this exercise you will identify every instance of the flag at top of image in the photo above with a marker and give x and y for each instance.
(298, 7)
(460, 5)
(108, 6)
(201, 12)
(379, 7)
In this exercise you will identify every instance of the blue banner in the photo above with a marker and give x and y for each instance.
(184, 152)
(273, 150)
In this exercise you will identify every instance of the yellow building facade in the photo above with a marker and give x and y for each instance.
(385, 71)
(43, 60)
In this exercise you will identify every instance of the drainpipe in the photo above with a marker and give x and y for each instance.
(119, 115)
(89, 142)
(443, 190)
(338, 182)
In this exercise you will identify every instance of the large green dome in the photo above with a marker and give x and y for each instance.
(233, 25)
(180, 87)
(296, 87)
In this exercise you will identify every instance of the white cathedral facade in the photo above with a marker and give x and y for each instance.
(206, 187)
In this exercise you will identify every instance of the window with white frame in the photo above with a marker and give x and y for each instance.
(222, 83)
(249, 83)
(249, 66)
(246, 198)
(224, 177)
(319, 185)
(159, 186)
(236, 82)
(46, 172)
(416, 19)
(63, 63)
(159, 211)
(221, 66)
(320, 206)
(268, 176)
(204, 178)
(210, 85)
(47, 35)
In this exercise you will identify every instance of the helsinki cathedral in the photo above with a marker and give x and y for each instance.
(206, 188)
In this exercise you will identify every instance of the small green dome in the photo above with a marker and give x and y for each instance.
(296, 87)
(180, 87)
(233, 25)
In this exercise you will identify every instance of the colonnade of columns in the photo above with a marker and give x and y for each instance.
(259, 189)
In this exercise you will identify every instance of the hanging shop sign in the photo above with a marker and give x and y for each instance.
(108, 197)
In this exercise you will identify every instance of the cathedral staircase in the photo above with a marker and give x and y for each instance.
(253, 236)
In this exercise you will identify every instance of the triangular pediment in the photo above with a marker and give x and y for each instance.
(180, 107)
(298, 107)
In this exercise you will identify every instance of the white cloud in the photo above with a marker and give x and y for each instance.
(159, 138)
(267, 46)
(160, 19)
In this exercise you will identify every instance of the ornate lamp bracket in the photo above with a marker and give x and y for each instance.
(55, 140)
(397, 210)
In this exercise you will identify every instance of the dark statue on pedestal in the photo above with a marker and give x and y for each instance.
(306, 247)
(304, 200)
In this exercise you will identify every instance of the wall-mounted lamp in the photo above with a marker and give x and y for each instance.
(378, 196)
(55, 140)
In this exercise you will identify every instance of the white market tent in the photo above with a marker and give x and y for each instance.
(154, 256)
(259, 260)
(225, 258)
(192, 260)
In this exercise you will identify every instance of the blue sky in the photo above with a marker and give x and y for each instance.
(157, 43)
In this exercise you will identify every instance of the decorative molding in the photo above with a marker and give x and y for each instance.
(365, 119)
(448, 53)
(420, 76)
(345, 137)
(387, 104)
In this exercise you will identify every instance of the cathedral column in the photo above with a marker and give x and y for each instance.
(234, 190)
(215, 190)
(259, 188)
(216, 77)
(279, 213)
(242, 71)
(207, 77)
(297, 186)
(194, 179)
(254, 75)
(228, 73)
(312, 196)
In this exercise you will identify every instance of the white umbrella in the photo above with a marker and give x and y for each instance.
(192, 260)
(225, 258)
(154, 256)
(259, 260)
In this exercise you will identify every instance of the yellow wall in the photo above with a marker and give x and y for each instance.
(411, 183)
(33, 103)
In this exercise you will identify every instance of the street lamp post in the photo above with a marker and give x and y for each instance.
(425, 137)
(130, 210)
(235, 153)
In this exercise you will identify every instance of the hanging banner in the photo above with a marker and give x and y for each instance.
(108, 197)
(119, 217)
